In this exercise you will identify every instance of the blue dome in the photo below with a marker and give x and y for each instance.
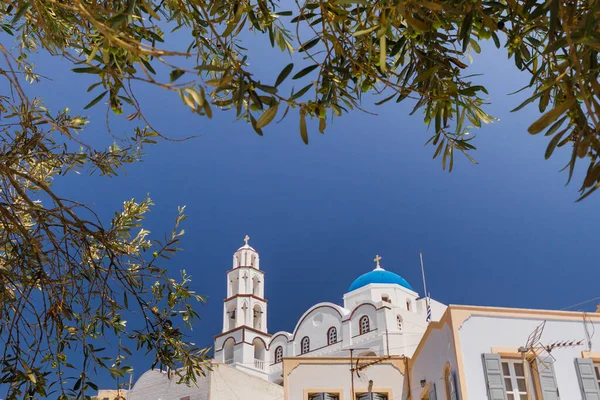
(379, 276)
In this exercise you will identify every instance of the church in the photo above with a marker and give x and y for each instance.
(381, 314)
(387, 342)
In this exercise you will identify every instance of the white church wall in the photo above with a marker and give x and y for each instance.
(314, 324)
(246, 350)
(237, 335)
(280, 339)
(313, 375)
(357, 297)
(382, 315)
(368, 309)
(404, 296)
(404, 341)
(283, 339)
(389, 316)
(437, 309)
(346, 333)
(374, 292)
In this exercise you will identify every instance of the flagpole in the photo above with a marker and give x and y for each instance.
(423, 273)
(427, 305)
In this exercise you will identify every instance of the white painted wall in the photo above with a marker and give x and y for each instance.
(369, 310)
(155, 385)
(337, 376)
(431, 360)
(230, 384)
(222, 383)
(479, 333)
(315, 325)
(374, 291)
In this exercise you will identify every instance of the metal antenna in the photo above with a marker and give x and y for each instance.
(542, 352)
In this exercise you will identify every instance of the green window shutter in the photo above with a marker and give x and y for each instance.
(547, 379)
(432, 393)
(363, 396)
(316, 396)
(492, 365)
(380, 396)
(330, 396)
(587, 379)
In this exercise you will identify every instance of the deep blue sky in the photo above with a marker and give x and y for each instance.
(505, 232)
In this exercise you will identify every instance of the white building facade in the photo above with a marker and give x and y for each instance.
(508, 354)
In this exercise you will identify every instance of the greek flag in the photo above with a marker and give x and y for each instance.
(428, 309)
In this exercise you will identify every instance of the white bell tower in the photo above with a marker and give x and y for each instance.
(244, 337)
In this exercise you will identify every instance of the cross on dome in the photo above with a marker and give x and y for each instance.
(379, 276)
(246, 239)
(377, 259)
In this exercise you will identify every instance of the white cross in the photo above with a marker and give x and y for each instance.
(246, 239)
(377, 259)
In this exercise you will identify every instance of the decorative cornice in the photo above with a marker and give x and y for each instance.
(242, 327)
(364, 304)
(245, 295)
(245, 266)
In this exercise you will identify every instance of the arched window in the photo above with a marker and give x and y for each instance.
(332, 335)
(231, 318)
(304, 345)
(259, 353)
(364, 324)
(228, 350)
(449, 384)
(399, 322)
(278, 354)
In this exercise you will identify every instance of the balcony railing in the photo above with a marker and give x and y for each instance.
(260, 364)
